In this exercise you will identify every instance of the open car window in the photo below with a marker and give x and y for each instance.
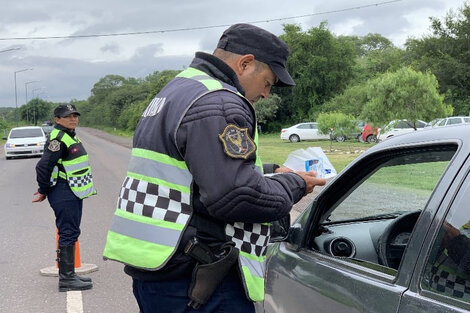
(447, 272)
(373, 220)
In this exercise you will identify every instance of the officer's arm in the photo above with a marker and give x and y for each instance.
(52, 153)
(230, 186)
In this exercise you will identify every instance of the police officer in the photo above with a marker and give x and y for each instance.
(64, 177)
(194, 212)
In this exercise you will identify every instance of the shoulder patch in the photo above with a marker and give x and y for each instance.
(54, 145)
(237, 143)
(467, 225)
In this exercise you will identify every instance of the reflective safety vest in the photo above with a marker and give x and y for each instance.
(446, 276)
(77, 170)
(154, 205)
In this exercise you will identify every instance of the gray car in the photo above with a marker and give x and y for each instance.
(389, 234)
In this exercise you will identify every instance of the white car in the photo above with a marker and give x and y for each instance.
(303, 131)
(25, 141)
(453, 120)
(399, 127)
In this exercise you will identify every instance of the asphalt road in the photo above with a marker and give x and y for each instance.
(27, 234)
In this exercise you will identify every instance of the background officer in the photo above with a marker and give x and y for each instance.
(64, 177)
(192, 223)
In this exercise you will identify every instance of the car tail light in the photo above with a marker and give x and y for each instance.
(283, 130)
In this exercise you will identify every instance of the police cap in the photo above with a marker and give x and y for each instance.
(265, 46)
(63, 110)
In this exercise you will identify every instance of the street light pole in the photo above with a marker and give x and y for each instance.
(16, 94)
(26, 95)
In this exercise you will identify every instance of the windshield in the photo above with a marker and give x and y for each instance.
(26, 133)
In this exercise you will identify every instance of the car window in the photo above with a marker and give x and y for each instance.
(455, 120)
(442, 123)
(26, 133)
(402, 124)
(466, 119)
(448, 267)
(314, 126)
(304, 126)
(392, 194)
(421, 124)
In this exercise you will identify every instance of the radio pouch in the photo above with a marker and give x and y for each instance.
(207, 277)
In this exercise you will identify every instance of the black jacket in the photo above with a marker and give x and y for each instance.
(48, 160)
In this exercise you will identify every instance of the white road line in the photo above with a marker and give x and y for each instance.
(74, 302)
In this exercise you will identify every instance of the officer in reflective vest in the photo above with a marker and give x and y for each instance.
(450, 273)
(64, 177)
(193, 216)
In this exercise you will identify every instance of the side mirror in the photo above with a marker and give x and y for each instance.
(4, 138)
(280, 229)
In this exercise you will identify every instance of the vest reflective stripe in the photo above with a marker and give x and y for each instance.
(140, 240)
(78, 164)
(159, 170)
(77, 169)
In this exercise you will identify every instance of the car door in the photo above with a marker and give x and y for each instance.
(441, 280)
(306, 131)
(333, 260)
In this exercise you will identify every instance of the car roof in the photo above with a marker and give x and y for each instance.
(27, 127)
(454, 133)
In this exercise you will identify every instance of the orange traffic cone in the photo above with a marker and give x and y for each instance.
(78, 263)
(80, 268)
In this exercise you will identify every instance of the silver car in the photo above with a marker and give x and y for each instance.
(25, 141)
(389, 234)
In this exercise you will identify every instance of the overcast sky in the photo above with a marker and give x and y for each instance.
(65, 69)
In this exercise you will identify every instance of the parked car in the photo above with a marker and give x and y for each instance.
(389, 234)
(369, 133)
(47, 129)
(303, 131)
(25, 141)
(453, 120)
(399, 127)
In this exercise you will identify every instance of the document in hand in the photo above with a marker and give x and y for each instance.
(310, 159)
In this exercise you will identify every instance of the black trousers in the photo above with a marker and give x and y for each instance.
(68, 212)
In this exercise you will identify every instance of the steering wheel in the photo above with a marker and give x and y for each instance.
(390, 249)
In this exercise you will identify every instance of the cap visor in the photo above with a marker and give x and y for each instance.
(284, 78)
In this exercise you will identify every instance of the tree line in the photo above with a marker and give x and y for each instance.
(360, 77)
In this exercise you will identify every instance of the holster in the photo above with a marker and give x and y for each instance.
(207, 277)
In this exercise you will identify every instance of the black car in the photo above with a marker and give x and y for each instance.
(389, 234)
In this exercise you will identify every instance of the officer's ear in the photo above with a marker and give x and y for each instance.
(245, 63)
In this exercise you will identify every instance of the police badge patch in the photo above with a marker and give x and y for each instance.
(54, 145)
(237, 143)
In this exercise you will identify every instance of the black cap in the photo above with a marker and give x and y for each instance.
(63, 110)
(266, 47)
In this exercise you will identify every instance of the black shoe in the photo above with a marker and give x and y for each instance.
(68, 280)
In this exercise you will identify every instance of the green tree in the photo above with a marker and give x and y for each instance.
(405, 94)
(445, 54)
(266, 108)
(338, 125)
(321, 66)
(35, 110)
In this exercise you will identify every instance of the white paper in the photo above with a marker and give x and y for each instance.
(311, 159)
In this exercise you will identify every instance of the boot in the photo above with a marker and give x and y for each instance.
(82, 278)
(68, 280)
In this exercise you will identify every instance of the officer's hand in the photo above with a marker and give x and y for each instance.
(283, 169)
(38, 197)
(311, 180)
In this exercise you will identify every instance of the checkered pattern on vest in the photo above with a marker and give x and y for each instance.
(79, 181)
(249, 238)
(155, 201)
(449, 283)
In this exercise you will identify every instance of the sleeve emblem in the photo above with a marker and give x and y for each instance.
(54, 145)
(237, 143)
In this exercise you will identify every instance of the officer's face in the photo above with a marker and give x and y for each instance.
(257, 79)
(69, 121)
